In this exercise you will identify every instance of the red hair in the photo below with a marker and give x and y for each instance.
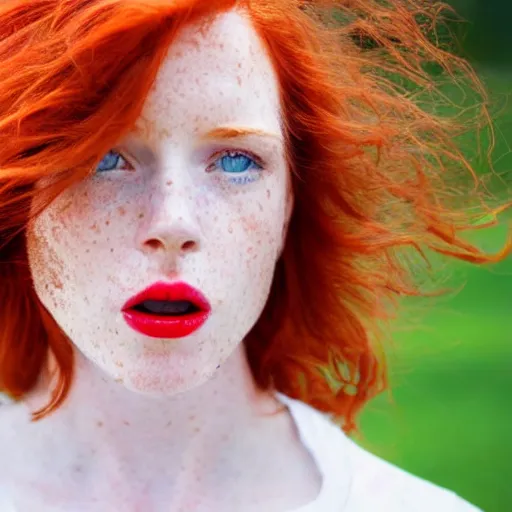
(374, 169)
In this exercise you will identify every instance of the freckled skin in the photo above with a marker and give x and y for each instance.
(111, 446)
(120, 231)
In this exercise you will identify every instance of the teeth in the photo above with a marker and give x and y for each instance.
(164, 307)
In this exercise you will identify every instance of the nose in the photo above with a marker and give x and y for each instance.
(170, 225)
(175, 240)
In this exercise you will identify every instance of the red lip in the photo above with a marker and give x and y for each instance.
(167, 326)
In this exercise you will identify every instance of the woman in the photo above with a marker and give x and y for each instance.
(203, 207)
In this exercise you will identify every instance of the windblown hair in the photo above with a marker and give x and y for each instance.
(377, 173)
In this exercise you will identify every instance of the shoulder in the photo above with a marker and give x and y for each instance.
(8, 442)
(372, 483)
(16, 437)
(379, 484)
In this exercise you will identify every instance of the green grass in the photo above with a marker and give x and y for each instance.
(449, 418)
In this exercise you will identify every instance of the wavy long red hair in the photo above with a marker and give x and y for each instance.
(375, 169)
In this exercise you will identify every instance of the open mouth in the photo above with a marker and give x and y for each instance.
(167, 307)
(167, 310)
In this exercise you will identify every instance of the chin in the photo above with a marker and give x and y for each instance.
(165, 384)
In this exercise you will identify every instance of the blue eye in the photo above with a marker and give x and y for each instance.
(111, 161)
(242, 168)
(236, 163)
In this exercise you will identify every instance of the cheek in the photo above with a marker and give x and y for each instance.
(47, 267)
(258, 230)
(44, 260)
(57, 243)
(262, 225)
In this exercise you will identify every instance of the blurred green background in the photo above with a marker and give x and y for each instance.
(449, 417)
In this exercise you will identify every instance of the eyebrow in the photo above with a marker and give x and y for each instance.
(233, 132)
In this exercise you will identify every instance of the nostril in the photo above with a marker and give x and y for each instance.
(153, 243)
(188, 245)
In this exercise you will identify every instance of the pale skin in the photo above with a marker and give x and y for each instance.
(158, 425)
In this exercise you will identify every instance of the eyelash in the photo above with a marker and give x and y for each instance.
(242, 177)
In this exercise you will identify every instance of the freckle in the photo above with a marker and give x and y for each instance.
(164, 133)
(66, 206)
(121, 210)
(112, 250)
(107, 223)
(141, 215)
(99, 423)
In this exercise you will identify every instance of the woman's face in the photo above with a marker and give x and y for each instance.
(197, 194)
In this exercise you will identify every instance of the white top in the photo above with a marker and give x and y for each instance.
(354, 480)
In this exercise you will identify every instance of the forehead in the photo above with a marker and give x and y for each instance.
(215, 74)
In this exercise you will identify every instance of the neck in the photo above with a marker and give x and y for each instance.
(150, 439)
(230, 396)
